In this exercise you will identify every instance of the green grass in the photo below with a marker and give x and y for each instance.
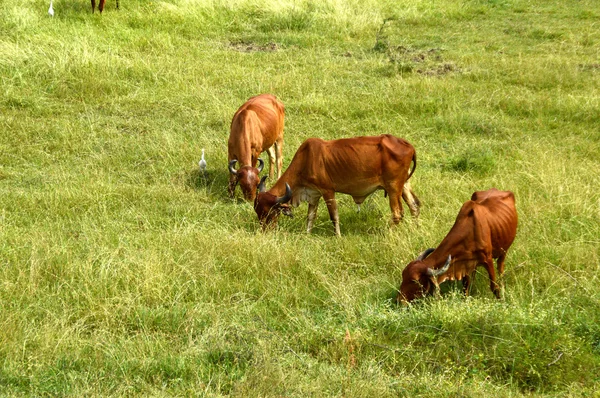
(127, 273)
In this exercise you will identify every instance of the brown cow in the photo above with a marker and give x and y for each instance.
(256, 127)
(354, 166)
(484, 229)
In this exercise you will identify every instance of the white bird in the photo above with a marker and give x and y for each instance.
(51, 10)
(202, 163)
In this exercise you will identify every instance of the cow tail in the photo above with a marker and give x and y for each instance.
(414, 160)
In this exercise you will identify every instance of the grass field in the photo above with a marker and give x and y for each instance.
(125, 272)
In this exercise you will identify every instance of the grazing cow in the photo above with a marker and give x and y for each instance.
(484, 229)
(354, 166)
(256, 127)
(101, 5)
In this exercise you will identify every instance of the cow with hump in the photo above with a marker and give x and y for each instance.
(257, 126)
(484, 229)
(354, 166)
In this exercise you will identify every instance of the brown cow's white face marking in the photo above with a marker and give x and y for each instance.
(248, 179)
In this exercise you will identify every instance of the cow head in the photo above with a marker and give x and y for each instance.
(418, 279)
(247, 177)
(268, 206)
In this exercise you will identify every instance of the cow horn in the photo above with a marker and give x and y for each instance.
(425, 253)
(438, 272)
(261, 164)
(261, 184)
(232, 169)
(285, 198)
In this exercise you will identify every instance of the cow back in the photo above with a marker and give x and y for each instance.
(485, 225)
(496, 209)
(255, 127)
(353, 165)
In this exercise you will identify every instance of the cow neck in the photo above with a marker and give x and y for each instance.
(244, 151)
(290, 176)
(438, 257)
(246, 160)
(279, 188)
(249, 136)
(452, 244)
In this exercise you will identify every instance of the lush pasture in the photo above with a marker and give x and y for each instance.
(126, 272)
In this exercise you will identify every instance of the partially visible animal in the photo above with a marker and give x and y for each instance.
(202, 163)
(484, 230)
(257, 126)
(101, 5)
(354, 166)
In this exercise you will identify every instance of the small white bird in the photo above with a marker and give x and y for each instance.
(51, 9)
(202, 163)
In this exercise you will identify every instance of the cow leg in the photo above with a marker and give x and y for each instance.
(101, 5)
(395, 206)
(466, 282)
(500, 264)
(279, 153)
(93, 5)
(411, 199)
(312, 213)
(333, 211)
(489, 264)
(500, 267)
(271, 152)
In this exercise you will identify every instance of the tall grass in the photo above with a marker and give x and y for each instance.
(127, 272)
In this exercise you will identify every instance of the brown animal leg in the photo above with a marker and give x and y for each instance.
(500, 266)
(333, 211)
(466, 282)
(396, 206)
(101, 5)
(93, 5)
(489, 264)
(279, 153)
(271, 153)
(117, 4)
(411, 199)
(312, 213)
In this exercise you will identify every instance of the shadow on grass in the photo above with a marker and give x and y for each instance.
(479, 289)
(212, 182)
(213, 185)
(370, 221)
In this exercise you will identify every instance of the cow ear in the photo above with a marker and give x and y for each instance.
(261, 184)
